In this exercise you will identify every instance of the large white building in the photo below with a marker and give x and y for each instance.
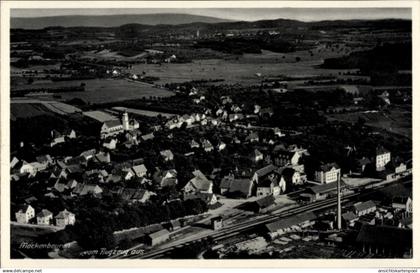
(383, 156)
(328, 173)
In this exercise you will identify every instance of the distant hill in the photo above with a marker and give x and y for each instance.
(111, 20)
(284, 25)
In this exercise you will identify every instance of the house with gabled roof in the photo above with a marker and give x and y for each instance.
(126, 173)
(44, 159)
(236, 187)
(58, 172)
(221, 146)
(25, 214)
(284, 157)
(194, 144)
(268, 187)
(44, 217)
(167, 155)
(60, 186)
(84, 189)
(362, 208)
(349, 219)
(139, 170)
(71, 184)
(60, 137)
(166, 178)
(102, 157)
(32, 168)
(291, 176)
(269, 171)
(135, 195)
(64, 218)
(199, 183)
(207, 146)
(14, 162)
(110, 143)
(257, 156)
(206, 197)
(88, 154)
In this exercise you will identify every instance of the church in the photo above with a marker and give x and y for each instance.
(117, 126)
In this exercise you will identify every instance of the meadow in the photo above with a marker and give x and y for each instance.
(25, 108)
(106, 90)
(243, 69)
(396, 120)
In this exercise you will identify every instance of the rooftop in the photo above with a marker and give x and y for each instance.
(290, 221)
(365, 205)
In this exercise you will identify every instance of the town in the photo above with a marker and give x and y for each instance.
(127, 147)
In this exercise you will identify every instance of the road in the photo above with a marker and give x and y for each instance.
(250, 224)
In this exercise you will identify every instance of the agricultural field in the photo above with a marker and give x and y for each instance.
(243, 69)
(105, 90)
(107, 54)
(99, 116)
(396, 120)
(142, 112)
(25, 108)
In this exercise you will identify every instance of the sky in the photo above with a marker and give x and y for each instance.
(245, 14)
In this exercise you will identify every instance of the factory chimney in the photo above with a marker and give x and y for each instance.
(339, 203)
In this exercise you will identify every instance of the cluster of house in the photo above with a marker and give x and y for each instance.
(191, 120)
(382, 162)
(273, 179)
(231, 112)
(368, 213)
(207, 146)
(72, 176)
(26, 213)
(56, 166)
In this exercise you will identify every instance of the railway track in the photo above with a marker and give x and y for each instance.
(248, 225)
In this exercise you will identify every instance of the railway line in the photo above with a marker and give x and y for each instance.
(248, 225)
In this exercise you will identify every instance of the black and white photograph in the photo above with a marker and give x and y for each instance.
(212, 133)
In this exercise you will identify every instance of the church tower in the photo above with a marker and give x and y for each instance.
(125, 123)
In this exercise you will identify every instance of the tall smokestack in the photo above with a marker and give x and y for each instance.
(339, 203)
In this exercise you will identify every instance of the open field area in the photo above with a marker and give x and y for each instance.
(105, 90)
(397, 120)
(242, 69)
(142, 112)
(23, 108)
